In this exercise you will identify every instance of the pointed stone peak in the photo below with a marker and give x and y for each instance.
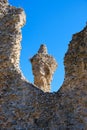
(42, 49)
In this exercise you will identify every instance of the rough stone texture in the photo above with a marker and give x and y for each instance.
(24, 106)
(43, 66)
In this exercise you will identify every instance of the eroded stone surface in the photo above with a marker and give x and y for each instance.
(43, 67)
(25, 107)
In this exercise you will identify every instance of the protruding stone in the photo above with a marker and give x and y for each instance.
(43, 66)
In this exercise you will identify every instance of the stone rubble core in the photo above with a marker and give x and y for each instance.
(23, 106)
(43, 67)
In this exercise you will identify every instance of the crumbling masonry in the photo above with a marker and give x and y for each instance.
(23, 106)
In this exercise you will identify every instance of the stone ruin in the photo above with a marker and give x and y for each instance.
(43, 66)
(23, 106)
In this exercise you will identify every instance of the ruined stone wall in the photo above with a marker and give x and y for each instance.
(26, 107)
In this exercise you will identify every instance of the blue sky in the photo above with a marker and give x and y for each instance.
(52, 22)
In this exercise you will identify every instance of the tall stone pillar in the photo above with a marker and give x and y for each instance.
(11, 21)
(43, 67)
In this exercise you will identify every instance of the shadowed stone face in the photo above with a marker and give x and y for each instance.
(76, 57)
(43, 66)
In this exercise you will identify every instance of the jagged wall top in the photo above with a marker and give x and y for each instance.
(76, 56)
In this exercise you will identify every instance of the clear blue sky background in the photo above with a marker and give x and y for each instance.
(51, 22)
